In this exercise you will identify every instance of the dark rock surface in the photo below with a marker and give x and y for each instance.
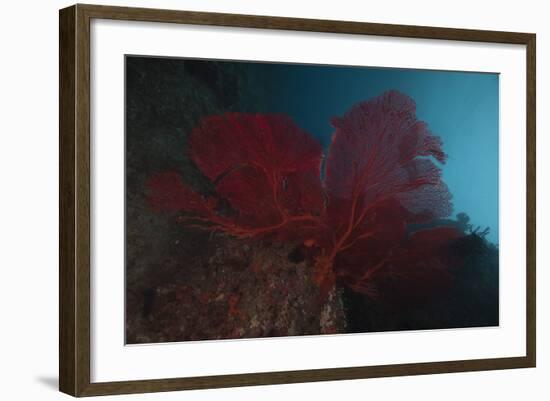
(231, 289)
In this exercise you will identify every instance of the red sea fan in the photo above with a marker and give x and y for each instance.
(168, 192)
(375, 155)
(417, 267)
(380, 178)
(264, 166)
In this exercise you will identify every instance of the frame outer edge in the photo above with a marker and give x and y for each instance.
(74, 201)
(67, 130)
(74, 126)
(302, 24)
(82, 201)
(531, 202)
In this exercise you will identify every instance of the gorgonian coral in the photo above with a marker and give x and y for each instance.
(379, 179)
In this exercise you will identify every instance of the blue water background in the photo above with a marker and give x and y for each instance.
(461, 107)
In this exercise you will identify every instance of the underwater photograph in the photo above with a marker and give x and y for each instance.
(282, 199)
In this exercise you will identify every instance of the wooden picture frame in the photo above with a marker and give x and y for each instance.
(74, 206)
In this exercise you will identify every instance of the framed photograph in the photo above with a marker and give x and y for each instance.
(250, 200)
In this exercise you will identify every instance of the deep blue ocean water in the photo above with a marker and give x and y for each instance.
(460, 107)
